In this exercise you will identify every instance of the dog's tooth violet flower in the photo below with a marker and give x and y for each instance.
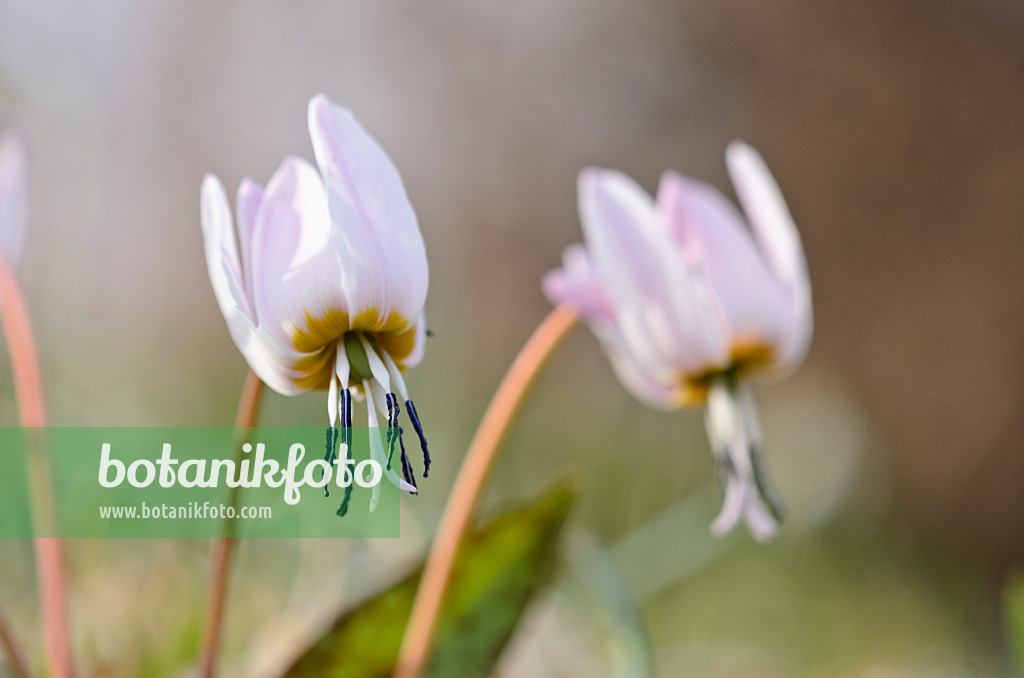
(324, 282)
(12, 197)
(690, 304)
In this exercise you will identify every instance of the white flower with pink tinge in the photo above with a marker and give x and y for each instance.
(324, 282)
(690, 304)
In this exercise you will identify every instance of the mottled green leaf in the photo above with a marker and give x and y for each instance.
(499, 568)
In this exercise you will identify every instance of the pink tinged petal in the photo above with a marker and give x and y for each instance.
(384, 263)
(752, 304)
(297, 277)
(13, 197)
(271, 361)
(653, 386)
(419, 345)
(268, 359)
(222, 256)
(657, 305)
(248, 201)
(578, 286)
(777, 235)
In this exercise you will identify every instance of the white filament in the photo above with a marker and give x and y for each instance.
(332, 400)
(380, 373)
(396, 375)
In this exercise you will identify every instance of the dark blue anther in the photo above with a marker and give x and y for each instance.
(346, 408)
(346, 439)
(393, 411)
(407, 472)
(332, 439)
(343, 509)
(411, 408)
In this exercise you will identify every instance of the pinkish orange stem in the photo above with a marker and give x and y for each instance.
(469, 485)
(28, 387)
(224, 547)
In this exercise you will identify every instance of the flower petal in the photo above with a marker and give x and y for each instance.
(654, 387)
(13, 197)
(248, 201)
(296, 271)
(754, 306)
(384, 263)
(777, 235)
(657, 305)
(578, 286)
(222, 255)
(272, 362)
(265, 356)
(406, 348)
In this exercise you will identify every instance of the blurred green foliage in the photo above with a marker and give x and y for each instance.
(499, 569)
(1013, 599)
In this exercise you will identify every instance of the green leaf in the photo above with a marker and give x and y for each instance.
(499, 569)
(1013, 602)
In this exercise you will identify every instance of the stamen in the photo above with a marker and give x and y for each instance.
(377, 368)
(341, 365)
(752, 425)
(332, 400)
(393, 430)
(343, 509)
(332, 438)
(390, 436)
(332, 416)
(411, 409)
(396, 375)
(407, 471)
(346, 408)
(734, 432)
(346, 441)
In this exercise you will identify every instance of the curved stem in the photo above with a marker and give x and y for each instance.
(476, 467)
(15, 661)
(28, 387)
(224, 546)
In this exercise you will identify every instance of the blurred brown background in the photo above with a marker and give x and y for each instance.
(896, 131)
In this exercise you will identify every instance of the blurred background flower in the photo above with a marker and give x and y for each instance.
(13, 196)
(894, 130)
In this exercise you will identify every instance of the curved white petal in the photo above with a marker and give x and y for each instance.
(222, 255)
(296, 271)
(776, 233)
(271, 361)
(13, 197)
(657, 305)
(654, 387)
(755, 308)
(267, 358)
(384, 264)
(577, 285)
(247, 205)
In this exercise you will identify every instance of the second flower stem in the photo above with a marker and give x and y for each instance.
(469, 485)
(28, 388)
(224, 546)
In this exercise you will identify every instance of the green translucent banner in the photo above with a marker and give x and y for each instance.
(199, 482)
